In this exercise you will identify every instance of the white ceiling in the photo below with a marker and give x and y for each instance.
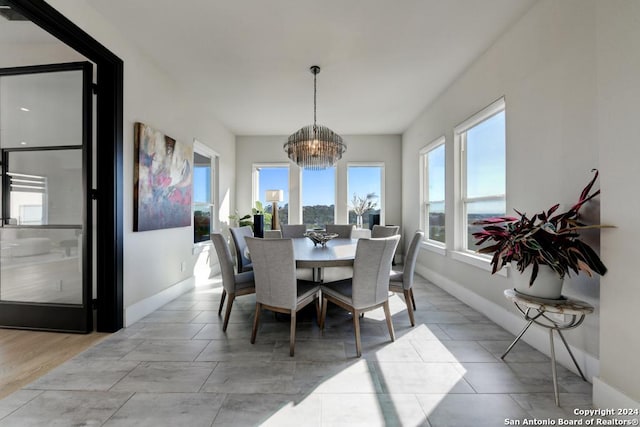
(382, 61)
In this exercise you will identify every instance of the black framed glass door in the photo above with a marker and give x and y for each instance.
(45, 144)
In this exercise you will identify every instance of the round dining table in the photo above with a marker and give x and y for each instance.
(336, 253)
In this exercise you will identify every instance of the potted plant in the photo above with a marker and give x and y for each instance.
(259, 219)
(547, 239)
(241, 220)
(361, 205)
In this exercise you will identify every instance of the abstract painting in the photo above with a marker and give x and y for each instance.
(163, 169)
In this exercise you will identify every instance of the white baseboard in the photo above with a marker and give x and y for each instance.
(605, 396)
(140, 309)
(535, 336)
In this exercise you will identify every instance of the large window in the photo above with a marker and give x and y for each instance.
(318, 196)
(272, 177)
(432, 218)
(365, 188)
(204, 184)
(482, 154)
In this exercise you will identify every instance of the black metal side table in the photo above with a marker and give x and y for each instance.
(537, 310)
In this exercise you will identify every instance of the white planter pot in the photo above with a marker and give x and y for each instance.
(548, 284)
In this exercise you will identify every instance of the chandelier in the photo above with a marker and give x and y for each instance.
(315, 147)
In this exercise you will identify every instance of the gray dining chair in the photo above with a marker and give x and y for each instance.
(233, 284)
(292, 231)
(238, 235)
(272, 234)
(368, 289)
(277, 288)
(379, 231)
(402, 281)
(342, 230)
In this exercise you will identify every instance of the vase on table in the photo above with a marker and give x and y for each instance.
(358, 221)
(258, 225)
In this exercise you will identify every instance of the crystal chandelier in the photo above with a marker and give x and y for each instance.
(315, 147)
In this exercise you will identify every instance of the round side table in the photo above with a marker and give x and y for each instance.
(538, 310)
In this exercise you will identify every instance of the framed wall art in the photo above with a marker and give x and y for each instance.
(163, 170)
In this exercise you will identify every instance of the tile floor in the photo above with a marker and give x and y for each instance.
(176, 367)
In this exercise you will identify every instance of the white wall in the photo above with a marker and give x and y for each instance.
(568, 71)
(618, 71)
(152, 259)
(360, 148)
(544, 66)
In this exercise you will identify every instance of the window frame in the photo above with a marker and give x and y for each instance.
(255, 181)
(206, 151)
(381, 196)
(462, 252)
(427, 243)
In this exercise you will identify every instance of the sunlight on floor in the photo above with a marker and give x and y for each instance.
(204, 275)
(213, 287)
(396, 305)
(363, 399)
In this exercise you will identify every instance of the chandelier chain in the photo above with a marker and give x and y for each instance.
(315, 76)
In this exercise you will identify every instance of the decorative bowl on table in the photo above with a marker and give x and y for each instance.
(320, 237)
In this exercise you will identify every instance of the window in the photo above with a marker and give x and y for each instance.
(204, 192)
(272, 177)
(481, 140)
(365, 183)
(432, 216)
(28, 198)
(318, 196)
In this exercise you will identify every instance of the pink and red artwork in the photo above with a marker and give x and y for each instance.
(163, 169)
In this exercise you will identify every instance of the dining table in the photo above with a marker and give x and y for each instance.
(337, 252)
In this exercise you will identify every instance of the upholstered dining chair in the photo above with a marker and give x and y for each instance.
(379, 231)
(277, 288)
(368, 289)
(291, 231)
(342, 230)
(233, 284)
(272, 234)
(238, 235)
(402, 281)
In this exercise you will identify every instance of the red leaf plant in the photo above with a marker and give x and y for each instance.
(543, 239)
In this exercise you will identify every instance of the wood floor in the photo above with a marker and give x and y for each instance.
(27, 355)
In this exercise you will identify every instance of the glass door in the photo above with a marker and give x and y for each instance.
(45, 119)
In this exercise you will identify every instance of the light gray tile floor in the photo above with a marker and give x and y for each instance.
(177, 367)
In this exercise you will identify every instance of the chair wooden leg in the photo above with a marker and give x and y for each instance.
(227, 313)
(407, 300)
(387, 314)
(356, 328)
(256, 320)
(323, 316)
(224, 295)
(413, 300)
(292, 336)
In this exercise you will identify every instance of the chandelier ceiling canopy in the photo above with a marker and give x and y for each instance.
(315, 146)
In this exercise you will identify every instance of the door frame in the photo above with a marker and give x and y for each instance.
(109, 156)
